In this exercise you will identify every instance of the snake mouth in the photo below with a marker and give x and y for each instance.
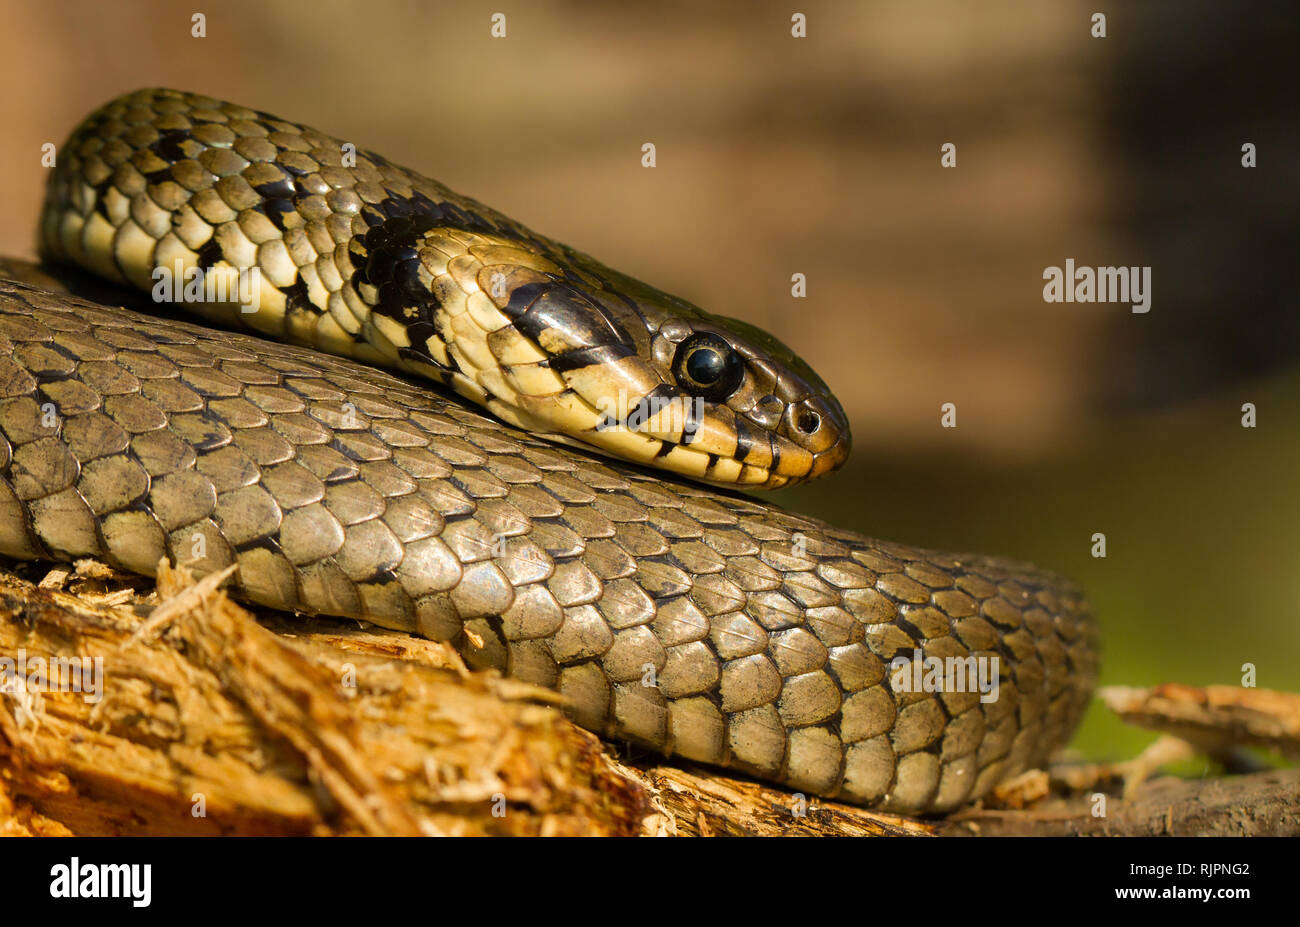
(716, 446)
(818, 426)
(811, 439)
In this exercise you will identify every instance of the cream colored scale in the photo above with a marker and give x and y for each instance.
(472, 275)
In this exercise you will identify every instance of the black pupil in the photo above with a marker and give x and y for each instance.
(705, 366)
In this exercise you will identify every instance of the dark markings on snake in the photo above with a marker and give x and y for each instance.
(388, 258)
(406, 275)
(638, 415)
(522, 299)
(744, 440)
(448, 215)
(276, 210)
(399, 207)
(265, 542)
(659, 397)
(456, 217)
(776, 453)
(691, 424)
(101, 196)
(536, 307)
(295, 296)
(442, 373)
(420, 332)
(209, 254)
(170, 145)
(282, 189)
(338, 475)
(596, 355)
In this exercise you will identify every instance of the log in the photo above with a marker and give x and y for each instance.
(208, 722)
(206, 718)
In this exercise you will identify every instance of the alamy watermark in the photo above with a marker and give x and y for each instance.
(23, 675)
(181, 284)
(1073, 284)
(654, 414)
(75, 879)
(919, 673)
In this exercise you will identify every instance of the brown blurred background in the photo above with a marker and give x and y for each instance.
(821, 156)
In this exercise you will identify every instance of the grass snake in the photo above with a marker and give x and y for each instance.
(683, 617)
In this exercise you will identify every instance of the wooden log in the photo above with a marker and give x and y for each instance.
(205, 718)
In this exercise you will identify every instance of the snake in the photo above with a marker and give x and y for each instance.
(416, 412)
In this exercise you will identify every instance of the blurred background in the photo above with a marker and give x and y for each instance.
(821, 156)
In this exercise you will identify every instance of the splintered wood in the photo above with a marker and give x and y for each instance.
(130, 708)
(204, 722)
(1214, 718)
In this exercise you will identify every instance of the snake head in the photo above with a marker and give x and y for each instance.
(710, 398)
(763, 418)
(552, 341)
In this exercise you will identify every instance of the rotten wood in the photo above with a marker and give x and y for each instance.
(1214, 718)
(213, 724)
(217, 720)
(1260, 804)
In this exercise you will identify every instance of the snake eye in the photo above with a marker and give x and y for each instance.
(707, 366)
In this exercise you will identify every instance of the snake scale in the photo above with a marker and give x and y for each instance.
(683, 617)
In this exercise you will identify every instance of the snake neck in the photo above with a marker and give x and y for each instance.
(262, 224)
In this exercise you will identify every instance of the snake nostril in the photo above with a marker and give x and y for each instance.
(807, 421)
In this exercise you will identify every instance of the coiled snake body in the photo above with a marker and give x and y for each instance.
(690, 620)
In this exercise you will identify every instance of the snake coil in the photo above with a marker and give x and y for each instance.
(686, 619)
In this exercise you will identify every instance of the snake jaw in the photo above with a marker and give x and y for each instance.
(778, 427)
(790, 434)
(561, 357)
